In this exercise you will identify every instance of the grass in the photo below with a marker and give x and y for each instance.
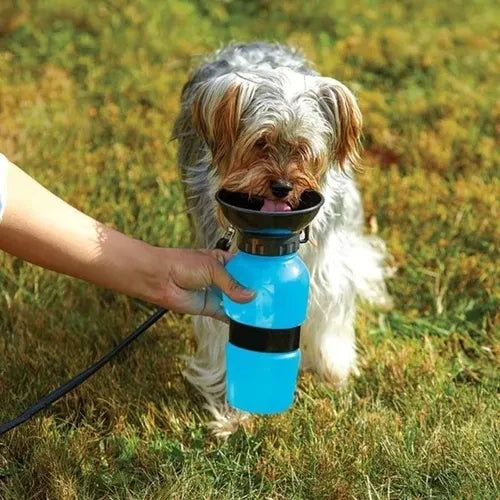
(88, 95)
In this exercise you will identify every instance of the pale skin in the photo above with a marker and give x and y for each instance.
(43, 229)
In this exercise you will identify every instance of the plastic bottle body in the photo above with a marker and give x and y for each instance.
(282, 286)
(260, 381)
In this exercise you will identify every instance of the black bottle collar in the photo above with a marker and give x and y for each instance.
(269, 245)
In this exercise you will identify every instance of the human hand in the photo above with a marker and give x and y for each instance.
(193, 279)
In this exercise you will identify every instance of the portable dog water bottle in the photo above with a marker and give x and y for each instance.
(262, 355)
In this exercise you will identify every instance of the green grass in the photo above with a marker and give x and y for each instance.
(88, 96)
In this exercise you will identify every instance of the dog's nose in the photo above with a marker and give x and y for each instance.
(280, 188)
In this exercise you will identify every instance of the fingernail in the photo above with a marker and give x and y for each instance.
(246, 291)
(243, 290)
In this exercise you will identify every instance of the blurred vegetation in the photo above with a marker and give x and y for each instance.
(88, 95)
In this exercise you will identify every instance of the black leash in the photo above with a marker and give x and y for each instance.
(52, 397)
(58, 393)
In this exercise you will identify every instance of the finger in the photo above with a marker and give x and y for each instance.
(213, 305)
(222, 279)
(222, 256)
(221, 317)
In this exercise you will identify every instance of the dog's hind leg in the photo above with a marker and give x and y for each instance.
(350, 265)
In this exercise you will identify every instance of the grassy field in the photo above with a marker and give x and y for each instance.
(88, 96)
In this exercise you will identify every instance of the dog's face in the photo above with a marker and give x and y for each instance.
(274, 133)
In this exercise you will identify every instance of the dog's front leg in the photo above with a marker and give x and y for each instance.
(328, 341)
(206, 371)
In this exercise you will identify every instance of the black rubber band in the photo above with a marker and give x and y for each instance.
(264, 339)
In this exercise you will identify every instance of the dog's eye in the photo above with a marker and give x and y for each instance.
(260, 143)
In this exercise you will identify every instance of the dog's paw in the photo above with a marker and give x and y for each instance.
(226, 420)
(334, 361)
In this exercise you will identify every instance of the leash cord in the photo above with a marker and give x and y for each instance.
(52, 397)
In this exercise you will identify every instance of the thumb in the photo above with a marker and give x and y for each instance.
(223, 280)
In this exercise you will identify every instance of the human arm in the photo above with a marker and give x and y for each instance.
(41, 228)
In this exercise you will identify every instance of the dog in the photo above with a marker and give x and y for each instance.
(257, 118)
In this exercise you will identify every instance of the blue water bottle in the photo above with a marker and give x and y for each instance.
(263, 355)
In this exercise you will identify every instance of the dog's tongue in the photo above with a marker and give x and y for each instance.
(275, 206)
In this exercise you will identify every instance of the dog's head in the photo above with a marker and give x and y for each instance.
(274, 133)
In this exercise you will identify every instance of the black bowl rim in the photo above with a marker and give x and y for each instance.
(288, 213)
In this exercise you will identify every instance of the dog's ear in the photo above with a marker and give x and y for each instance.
(342, 112)
(217, 109)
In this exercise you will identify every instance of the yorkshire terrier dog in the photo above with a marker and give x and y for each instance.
(258, 119)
